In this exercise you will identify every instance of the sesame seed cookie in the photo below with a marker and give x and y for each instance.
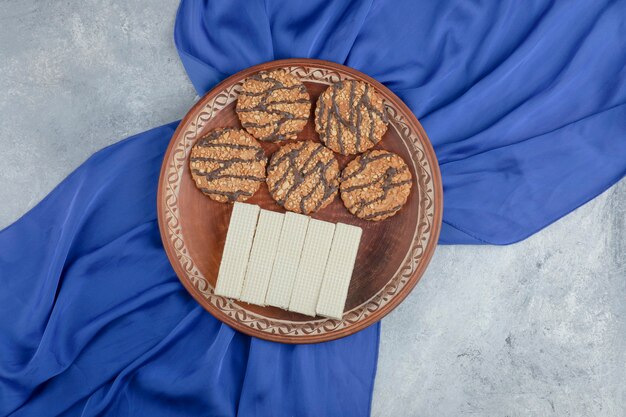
(375, 185)
(273, 106)
(350, 117)
(228, 165)
(303, 177)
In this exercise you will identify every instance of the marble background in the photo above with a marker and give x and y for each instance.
(533, 329)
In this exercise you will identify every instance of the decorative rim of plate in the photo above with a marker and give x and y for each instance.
(319, 329)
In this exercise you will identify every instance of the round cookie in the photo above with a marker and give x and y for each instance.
(303, 177)
(228, 165)
(273, 106)
(375, 185)
(350, 117)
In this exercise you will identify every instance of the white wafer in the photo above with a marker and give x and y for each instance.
(262, 257)
(237, 250)
(306, 288)
(287, 259)
(338, 272)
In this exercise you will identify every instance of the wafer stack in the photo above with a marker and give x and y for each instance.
(288, 260)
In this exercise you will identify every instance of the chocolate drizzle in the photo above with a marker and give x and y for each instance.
(258, 157)
(228, 145)
(364, 160)
(320, 171)
(277, 108)
(386, 179)
(382, 185)
(223, 162)
(296, 174)
(387, 184)
(231, 196)
(382, 213)
(216, 174)
(329, 115)
(261, 93)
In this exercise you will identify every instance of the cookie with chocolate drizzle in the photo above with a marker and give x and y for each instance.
(303, 177)
(350, 117)
(228, 165)
(375, 185)
(273, 106)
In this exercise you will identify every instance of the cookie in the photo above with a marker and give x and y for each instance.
(228, 165)
(303, 177)
(273, 106)
(350, 117)
(375, 185)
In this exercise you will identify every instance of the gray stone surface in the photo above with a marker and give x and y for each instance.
(533, 329)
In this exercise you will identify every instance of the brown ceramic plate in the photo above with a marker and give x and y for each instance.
(393, 253)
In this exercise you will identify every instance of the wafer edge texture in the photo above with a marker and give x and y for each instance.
(306, 287)
(239, 238)
(262, 256)
(287, 259)
(338, 271)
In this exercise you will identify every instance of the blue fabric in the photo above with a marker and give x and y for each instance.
(525, 103)
(93, 320)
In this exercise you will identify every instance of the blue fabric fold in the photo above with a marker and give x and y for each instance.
(94, 321)
(525, 104)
